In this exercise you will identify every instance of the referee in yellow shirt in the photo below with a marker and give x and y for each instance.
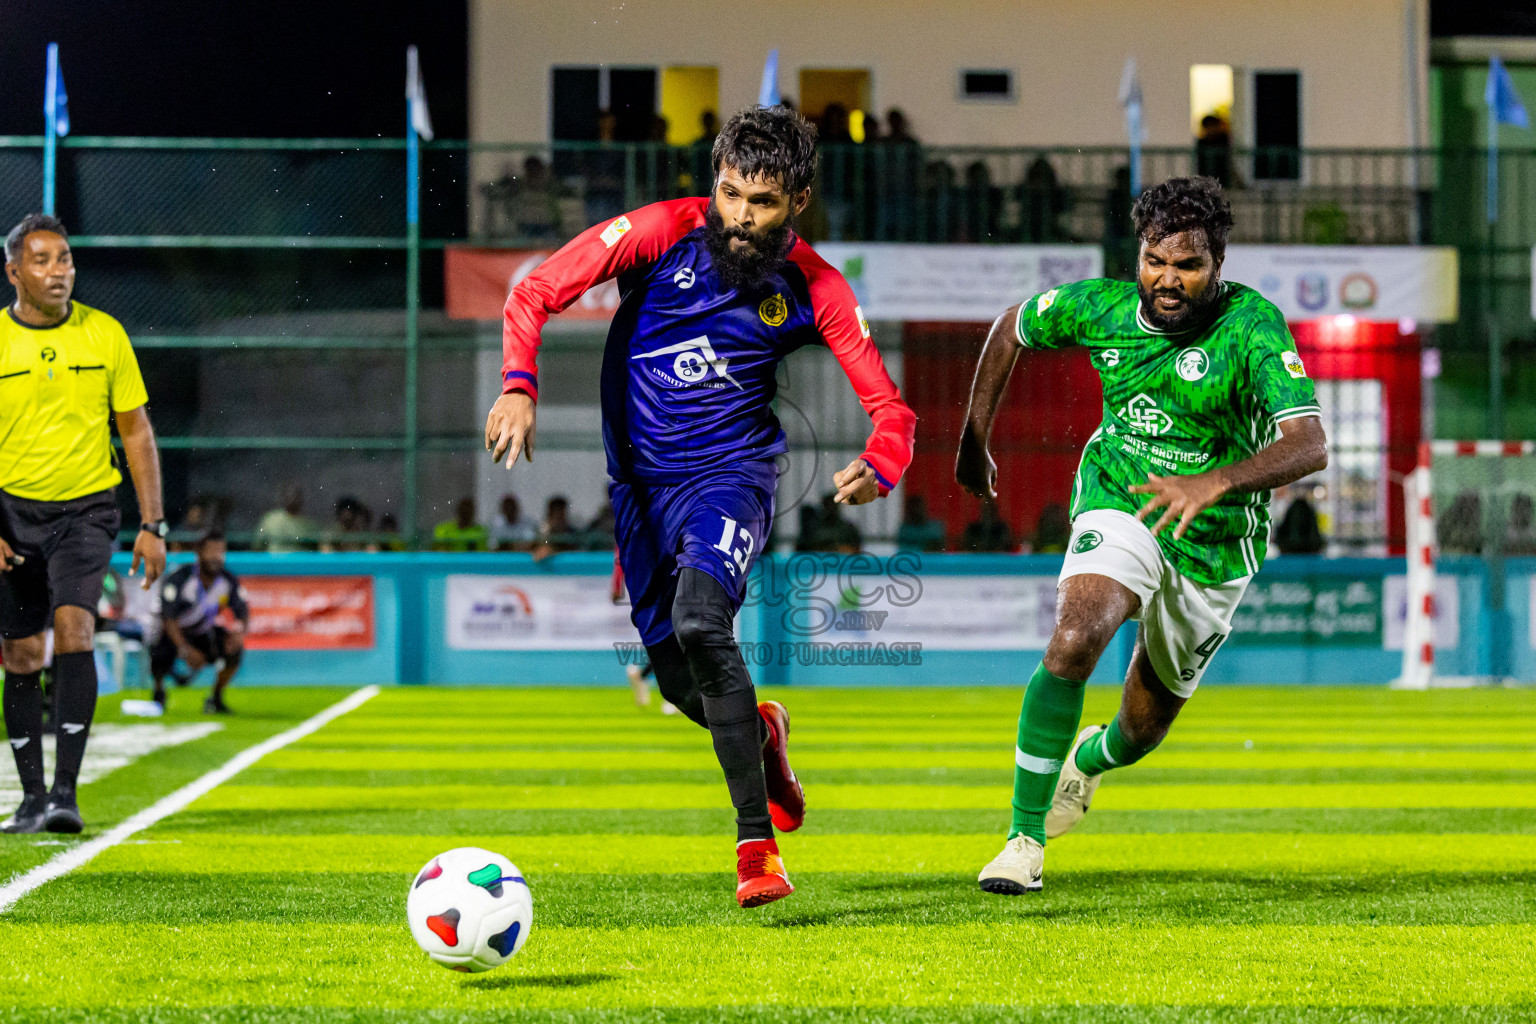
(65, 370)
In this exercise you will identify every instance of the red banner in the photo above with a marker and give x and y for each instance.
(296, 613)
(477, 281)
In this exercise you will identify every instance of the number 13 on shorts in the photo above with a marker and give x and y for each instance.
(736, 541)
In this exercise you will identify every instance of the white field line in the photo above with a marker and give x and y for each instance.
(112, 746)
(78, 856)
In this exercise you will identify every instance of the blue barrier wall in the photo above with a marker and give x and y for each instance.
(412, 643)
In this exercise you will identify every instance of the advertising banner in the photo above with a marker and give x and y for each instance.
(535, 613)
(295, 613)
(1373, 282)
(1312, 611)
(941, 613)
(477, 281)
(897, 281)
(1446, 615)
(892, 280)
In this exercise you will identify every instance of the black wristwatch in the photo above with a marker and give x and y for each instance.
(158, 528)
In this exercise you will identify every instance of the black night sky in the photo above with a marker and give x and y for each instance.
(273, 68)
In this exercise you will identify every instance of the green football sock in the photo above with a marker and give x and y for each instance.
(1047, 722)
(1108, 749)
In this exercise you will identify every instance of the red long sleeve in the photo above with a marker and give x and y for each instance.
(846, 332)
(600, 253)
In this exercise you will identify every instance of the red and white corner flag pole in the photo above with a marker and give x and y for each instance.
(1419, 636)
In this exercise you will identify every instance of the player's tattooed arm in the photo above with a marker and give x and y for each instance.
(1301, 450)
(974, 468)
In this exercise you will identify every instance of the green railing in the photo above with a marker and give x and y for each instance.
(285, 262)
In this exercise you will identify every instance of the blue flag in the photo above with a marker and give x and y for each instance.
(1504, 105)
(768, 92)
(57, 100)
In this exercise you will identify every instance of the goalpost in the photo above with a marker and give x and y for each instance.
(1423, 544)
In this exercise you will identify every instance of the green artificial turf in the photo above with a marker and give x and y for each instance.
(1287, 855)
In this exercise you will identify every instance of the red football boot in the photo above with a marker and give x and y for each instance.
(786, 800)
(760, 875)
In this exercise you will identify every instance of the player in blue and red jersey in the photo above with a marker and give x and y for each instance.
(716, 292)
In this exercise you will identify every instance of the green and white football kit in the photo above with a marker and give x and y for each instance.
(1174, 403)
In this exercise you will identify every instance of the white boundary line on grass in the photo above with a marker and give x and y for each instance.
(62, 864)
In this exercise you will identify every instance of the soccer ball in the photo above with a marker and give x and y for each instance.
(470, 909)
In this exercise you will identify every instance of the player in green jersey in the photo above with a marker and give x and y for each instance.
(1206, 408)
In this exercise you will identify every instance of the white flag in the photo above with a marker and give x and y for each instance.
(416, 93)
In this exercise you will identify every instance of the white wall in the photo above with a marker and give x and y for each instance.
(1066, 56)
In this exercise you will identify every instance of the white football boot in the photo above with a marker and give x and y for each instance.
(1016, 870)
(1074, 790)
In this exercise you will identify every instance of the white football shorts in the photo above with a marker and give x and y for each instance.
(1183, 622)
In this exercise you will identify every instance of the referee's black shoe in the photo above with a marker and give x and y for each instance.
(215, 705)
(63, 814)
(29, 816)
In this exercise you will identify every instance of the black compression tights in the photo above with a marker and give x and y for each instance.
(721, 696)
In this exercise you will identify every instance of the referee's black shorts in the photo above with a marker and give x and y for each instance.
(66, 546)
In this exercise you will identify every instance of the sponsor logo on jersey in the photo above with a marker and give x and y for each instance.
(691, 364)
(1311, 291)
(1143, 413)
(1111, 357)
(1357, 291)
(1087, 541)
(1193, 363)
(858, 311)
(1043, 303)
(48, 354)
(1293, 364)
(774, 310)
(615, 231)
(683, 278)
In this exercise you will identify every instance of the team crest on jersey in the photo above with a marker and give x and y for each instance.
(1087, 541)
(1043, 303)
(1143, 413)
(1193, 363)
(1293, 364)
(774, 310)
(1111, 357)
(615, 231)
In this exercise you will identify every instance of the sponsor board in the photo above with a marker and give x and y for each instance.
(1309, 611)
(295, 613)
(1373, 282)
(534, 613)
(898, 281)
(947, 613)
(1446, 617)
(477, 281)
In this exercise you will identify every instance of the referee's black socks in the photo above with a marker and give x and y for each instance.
(24, 726)
(74, 683)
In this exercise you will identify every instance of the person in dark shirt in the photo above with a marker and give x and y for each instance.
(989, 533)
(203, 617)
(918, 530)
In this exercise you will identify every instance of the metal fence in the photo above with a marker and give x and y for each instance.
(265, 280)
